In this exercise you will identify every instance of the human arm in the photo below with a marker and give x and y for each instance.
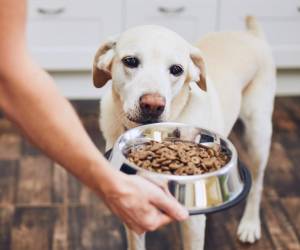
(30, 98)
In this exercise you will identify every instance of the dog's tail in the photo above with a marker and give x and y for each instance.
(254, 27)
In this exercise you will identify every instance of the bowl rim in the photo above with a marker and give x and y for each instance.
(223, 170)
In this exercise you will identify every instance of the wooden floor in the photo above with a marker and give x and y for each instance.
(42, 207)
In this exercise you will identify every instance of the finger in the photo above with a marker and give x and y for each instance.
(170, 206)
(131, 222)
(160, 219)
(137, 222)
(164, 220)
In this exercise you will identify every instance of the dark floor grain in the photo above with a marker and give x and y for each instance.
(42, 207)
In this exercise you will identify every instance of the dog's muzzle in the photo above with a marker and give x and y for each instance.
(151, 108)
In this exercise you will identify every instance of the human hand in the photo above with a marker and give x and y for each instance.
(142, 205)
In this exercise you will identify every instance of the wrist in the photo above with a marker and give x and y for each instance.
(109, 181)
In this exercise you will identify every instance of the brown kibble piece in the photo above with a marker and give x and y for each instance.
(146, 164)
(174, 165)
(166, 162)
(211, 152)
(191, 153)
(198, 171)
(156, 146)
(184, 159)
(190, 170)
(195, 159)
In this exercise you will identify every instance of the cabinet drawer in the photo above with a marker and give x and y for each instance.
(266, 8)
(191, 18)
(279, 19)
(66, 34)
(43, 9)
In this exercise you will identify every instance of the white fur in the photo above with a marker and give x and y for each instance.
(240, 81)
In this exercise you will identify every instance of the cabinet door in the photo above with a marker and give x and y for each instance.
(279, 19)
(64, 34)
(190, 18)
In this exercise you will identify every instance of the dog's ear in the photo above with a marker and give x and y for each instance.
(197, 68)
(103, 62)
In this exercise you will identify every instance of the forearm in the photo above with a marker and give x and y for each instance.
(29, 97)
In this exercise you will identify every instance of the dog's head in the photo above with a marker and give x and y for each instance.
(149, 66)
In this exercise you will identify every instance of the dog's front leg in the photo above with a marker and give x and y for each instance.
(193, 232)
(258, 141)
(135, 241)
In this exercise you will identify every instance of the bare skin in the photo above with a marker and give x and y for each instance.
(31, 100)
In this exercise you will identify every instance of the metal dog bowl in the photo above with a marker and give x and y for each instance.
(200, 194)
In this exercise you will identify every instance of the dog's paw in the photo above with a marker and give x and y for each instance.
(249, 230)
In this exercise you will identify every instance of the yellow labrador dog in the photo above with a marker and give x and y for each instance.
(156, 76)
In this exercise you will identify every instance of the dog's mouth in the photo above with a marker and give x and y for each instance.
(144, 120)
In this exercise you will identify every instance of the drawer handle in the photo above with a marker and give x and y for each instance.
(51, 11)
(167, 10)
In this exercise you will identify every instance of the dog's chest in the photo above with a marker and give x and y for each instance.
(202, 112)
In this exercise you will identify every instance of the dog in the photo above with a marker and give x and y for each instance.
(154, 75)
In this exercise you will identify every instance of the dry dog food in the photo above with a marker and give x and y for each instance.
(177, 157)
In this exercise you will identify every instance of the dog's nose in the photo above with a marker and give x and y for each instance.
(152, 105)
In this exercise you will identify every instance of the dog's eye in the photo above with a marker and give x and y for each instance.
(176, 70)
(131, 62)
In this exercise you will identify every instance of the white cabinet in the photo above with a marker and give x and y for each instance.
(64, 34)
(280, 21)
(190, 18)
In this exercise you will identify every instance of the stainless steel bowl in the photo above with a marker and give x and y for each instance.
(203, 193)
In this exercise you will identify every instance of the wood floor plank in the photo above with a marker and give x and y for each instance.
(10, 146)
(292, 105)
(29, 149)
(6, 217)
(282, 120)
(8, 181)
(281, 231)
(35, 180)
(291, 206)
(73, 191)
(88, 197)
(79, 194)
(90, 229)
(60, 230)
(7, 126)
(33, 228)
(166, 238)
(216, 234)
(59, 184)
(294, 156)
(280, 172)
(232, 219)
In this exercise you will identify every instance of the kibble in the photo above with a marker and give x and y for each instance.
(177, 157)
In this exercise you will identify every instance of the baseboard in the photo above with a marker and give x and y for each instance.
(77, 85)
(288, 82)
